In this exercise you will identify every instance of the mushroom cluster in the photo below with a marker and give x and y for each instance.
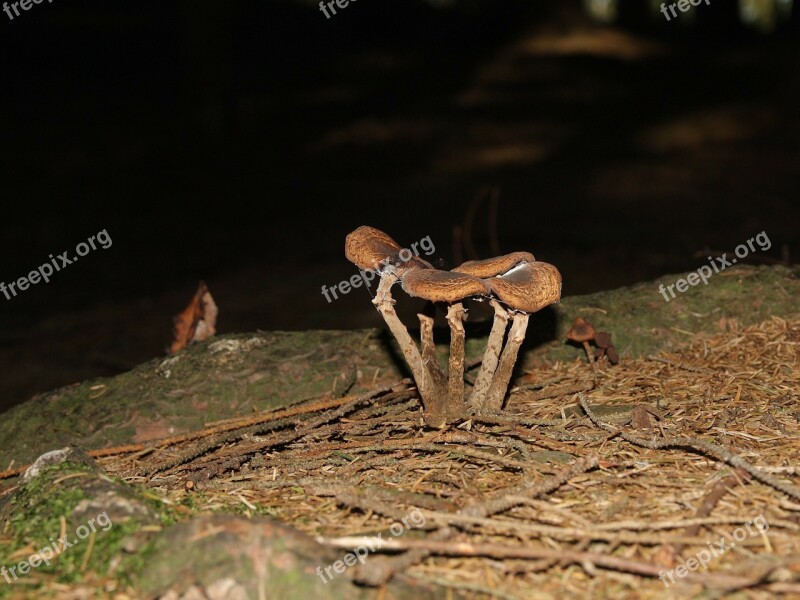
(582, 332)
(515, 285)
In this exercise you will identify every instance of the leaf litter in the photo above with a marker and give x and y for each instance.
(595, 482)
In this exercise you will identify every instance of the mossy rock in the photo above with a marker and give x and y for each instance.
(225, 556)
(68, 519)
(90, 530)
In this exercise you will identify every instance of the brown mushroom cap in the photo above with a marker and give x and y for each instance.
(442, 286)
(492, 267)
(367, 247)
(602, 339)
(529, 287)
(581, 331)
(613, 357)
(372, 249)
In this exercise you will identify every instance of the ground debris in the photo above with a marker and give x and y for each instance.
(355, 466)
(618, 483)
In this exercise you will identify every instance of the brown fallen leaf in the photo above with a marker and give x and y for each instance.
(146, 430)
(197, 322)
(640, 416)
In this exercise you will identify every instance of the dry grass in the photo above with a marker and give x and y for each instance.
(541, 502)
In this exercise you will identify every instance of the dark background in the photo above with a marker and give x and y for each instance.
(239, 142)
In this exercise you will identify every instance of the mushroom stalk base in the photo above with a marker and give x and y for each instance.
(502, 377)
(429, 361)
(590, 356)
(456, 315)
(491, 356)
(431, 397)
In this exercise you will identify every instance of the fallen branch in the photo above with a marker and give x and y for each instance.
(699, 446)
(305, 429)
(461, 549)
(379, 570)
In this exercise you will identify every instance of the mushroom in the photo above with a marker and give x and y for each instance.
(525, 289)
(582, 332)
(516, 285)
(370, 248)
(491, 267)
(602, 339)
(605, 348)
(450, 288)
(612, 355)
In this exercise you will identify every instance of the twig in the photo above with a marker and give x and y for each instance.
(450, 548)
(463, 451)
(634, 525)
(231, 425)
(279, 439)
(482, 525)
(699, 446)
(512, 496)
(510, 419)
(380, 569)
(710, 502)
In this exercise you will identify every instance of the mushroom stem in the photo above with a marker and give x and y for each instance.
(454, 409)
(490, 357)
(497, 390)
(590, 356)
(431, 397)
(429, 361)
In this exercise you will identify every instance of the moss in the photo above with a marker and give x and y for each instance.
(32, 519)
(38, 504)
(133, 565)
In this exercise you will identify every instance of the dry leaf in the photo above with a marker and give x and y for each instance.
(640, 418)
(196, 322)
(147, 431)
